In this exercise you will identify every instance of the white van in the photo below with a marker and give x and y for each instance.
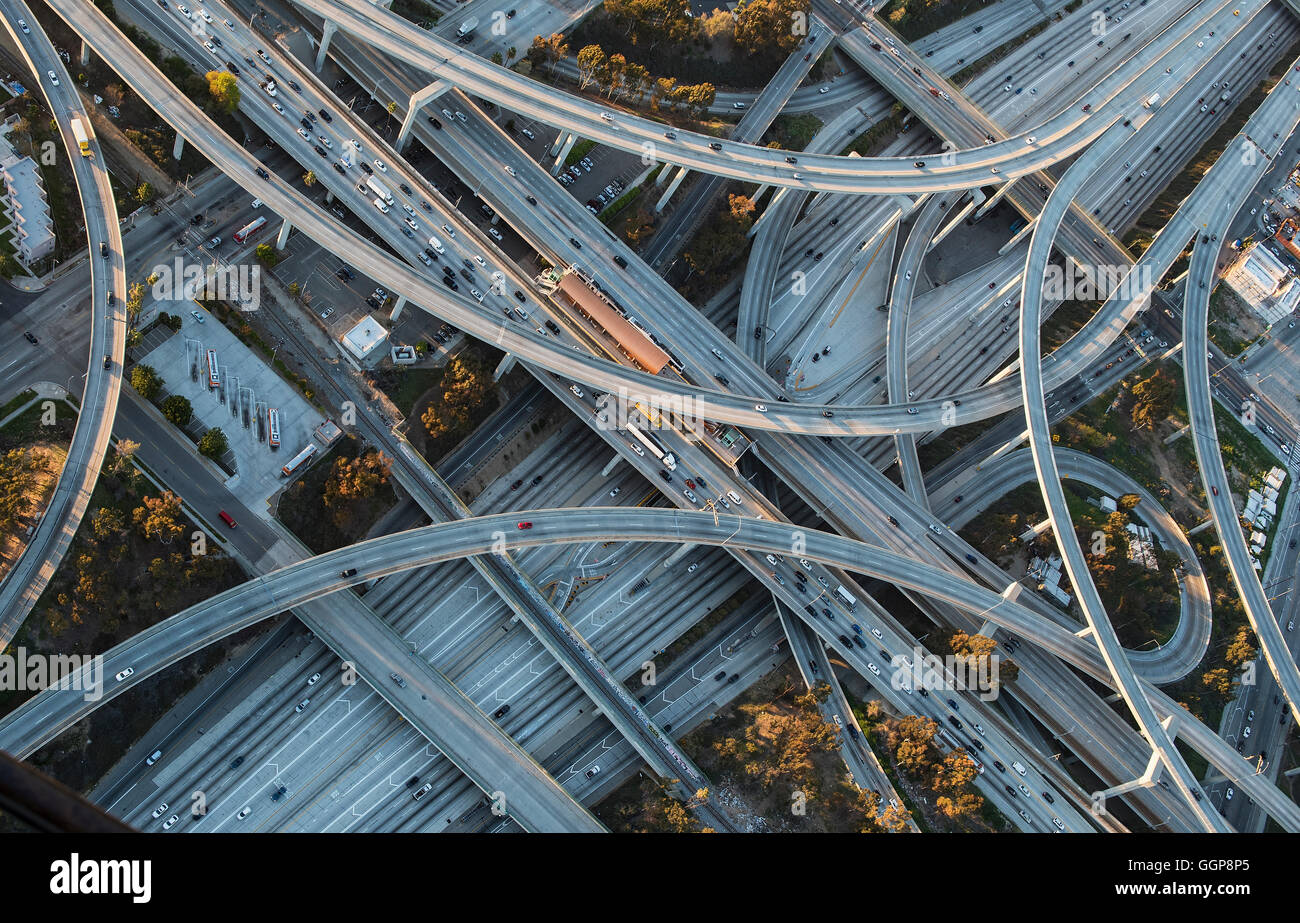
(1018, 766)
(381, 205)
(437, 246)
(735, 497)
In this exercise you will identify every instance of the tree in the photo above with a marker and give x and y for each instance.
(134, 302)
(108, 523)
(351, 482)
(223, 87)
(267, 255)
(309, 178)
(463, 390)
(914, 734)
(157, 517)
(146, 381)
(177, 409)
(497, 59)
(123, 463)
(144, 193)
(650, 22)
(1153, 398)
(213, 444)
(1242, 649)
(548, 50)
(717, 26)
(1218, 680)
(590, 61)
(18, 473)
(765, 27)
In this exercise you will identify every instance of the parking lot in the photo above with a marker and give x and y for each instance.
(248, 386)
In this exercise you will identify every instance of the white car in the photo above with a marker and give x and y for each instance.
(694, 566)
(162, 809)
(355, 143)
(278, 108)
(577, 392)
(171, 821)
(22, 24)
(123, 675)
(478, 259)
(248, 809)
(302, 133)
(313, 679)
(873, 668)
(183, 10)
(824, 90)
(257, 203)
(53, 77)
(379, 165)
(1229, 793)
(511, 170)
(412, 225)
(229, 25)
(207, 17)
(198, 317)
(211, 47)
(325, 141)
(448, 231)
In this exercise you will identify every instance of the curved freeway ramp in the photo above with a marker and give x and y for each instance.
(31, 573)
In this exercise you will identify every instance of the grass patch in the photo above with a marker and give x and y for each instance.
(580, 150)
(16, 402)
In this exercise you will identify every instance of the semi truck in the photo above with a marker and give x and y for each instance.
(466, 30)
(1150, 101)
(380, 190)
(83, 138)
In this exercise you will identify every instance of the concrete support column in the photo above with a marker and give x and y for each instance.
(663, 174)
(555, 147)
(284, 235)
(993, 200)
(947, 229)
(418, 101)
(672, 187)
(327, 33)
(329, 197)
(569, 140)
(609, 468)
(504, 366)
(178, 147)
(397, 308)
(85, 55)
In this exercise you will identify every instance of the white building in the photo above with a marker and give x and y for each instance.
(1261, 279)
(364, 341)
(26, 209)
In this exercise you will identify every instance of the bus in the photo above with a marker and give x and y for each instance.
(298, 461)
(83, 138)
(273, 427)
(1017, 225)
(249, 230)
(651, 443)
(214, 372)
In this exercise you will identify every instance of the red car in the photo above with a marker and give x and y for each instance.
(525, 525)
(225, 517)
(1214, 490)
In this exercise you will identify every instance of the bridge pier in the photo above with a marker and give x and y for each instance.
(672, 187)
(283, 238)
(418, 101)
(85, 55)
(504, 366)
(771, 208)
(178, 147)
(326, 33)
(400, 303)
(569, 140)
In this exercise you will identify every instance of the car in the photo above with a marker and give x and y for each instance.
(129, 671)
(739, 106)
(592, 772)
(761, 408)
(524, 525)
(171, 821)
(448, 231)
(247, 809)
(379, 165)
(301, 705)
(162, 809)
(31, 337)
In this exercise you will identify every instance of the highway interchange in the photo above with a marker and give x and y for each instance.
(885, 533)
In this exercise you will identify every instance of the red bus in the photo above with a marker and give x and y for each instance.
(249, 230)
(298, 461)
(214, 373)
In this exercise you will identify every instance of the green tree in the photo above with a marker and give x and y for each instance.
(144, 193)
(591, 59)
(177, 409)
(267, 255)
(157, 517)
(146, 381)
(223, 87)
(309, 178)
(1153, 398)
(214, 443)
(134, 302)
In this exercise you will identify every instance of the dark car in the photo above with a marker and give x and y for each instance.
(575, 242)
(365, 168)
(262, 173)
(326, 116)
(294, 86)
(338, 168)
(519, 297)
(668, 478)
(552, 326)
(517, 484)
(373, 302)
(232, 67)
(108, 362)
(306, 122)
(31, 338)
(320, 150)
(530, 200)
(435, 123)
(537, 480)
(350, 572)
(500, 712)
(715, 145)
(103, 249)
(619, 261)
(405, 188)
(278, 793)
(236, 762)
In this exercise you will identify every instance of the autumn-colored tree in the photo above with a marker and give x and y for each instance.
(107, 523)
(1153, 398)
(650, 22)
(309, 178)
(177, 409)
(157, 518)
(18, 479)
(771, 26)
(464, 389)
(913, 737)
(1242, 648)
(548, 50)
(213, 443)
(1218, 680)
(590, 60)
